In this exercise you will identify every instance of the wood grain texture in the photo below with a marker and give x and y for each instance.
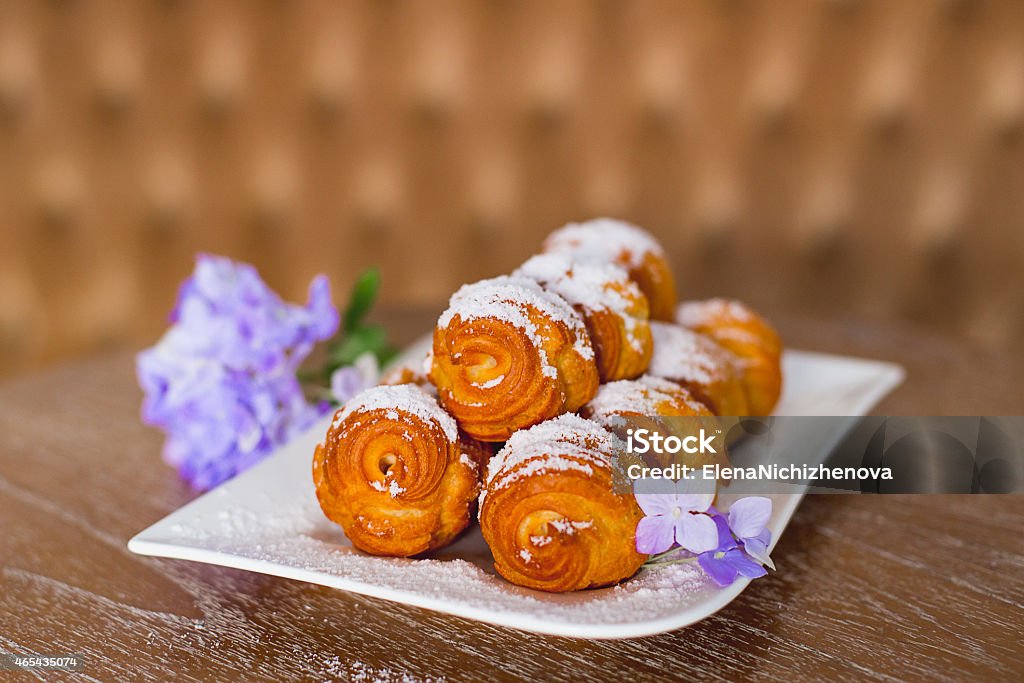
(872, 148)
(879, 588)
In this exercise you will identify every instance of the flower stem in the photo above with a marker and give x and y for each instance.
(669, 557)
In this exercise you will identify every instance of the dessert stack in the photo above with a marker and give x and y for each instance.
(536, 364)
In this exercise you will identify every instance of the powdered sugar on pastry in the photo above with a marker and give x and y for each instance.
(567, 435)
(705, 313)
(642, 396)
(569, 527)
(590, 285)
(411, 369)
(565, 443)
(469, 462)
(407, 398)
(509, 298)
(593, 286)
(603, 240)
(491, 383)
(683, 354)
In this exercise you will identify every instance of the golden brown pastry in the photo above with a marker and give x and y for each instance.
(549, 511)
(614, 310)
(644, 403)
(409, 372)
(395, 472)
(707, 370)
(644, 396)
(746, 334)
(605, 240)
(507, 354)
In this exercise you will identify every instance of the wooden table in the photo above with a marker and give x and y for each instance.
(876, 587)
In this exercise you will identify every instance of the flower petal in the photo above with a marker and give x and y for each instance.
(346, 382)
(720, 572)
(697, 502)
(220, 382)
(758, 550)
(325, 315)
(696, 533)
(654, 534)
(725, 538)
(749, 516)
(744, 566)
(368, 367)
(655, 496)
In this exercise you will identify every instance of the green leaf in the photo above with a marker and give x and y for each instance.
(364, 293)
(363, 339)
(386, 354)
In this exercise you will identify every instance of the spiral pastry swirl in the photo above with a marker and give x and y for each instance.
(614, 310)
(708, 371)
(749, 336)
(395, 472)
(507, 354)
(605, 240)
(549, 511)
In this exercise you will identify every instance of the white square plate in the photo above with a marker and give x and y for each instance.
(267, 520)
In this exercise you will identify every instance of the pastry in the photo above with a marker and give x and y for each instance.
(550, 513)
(707, 370)
(747, 335)
(614, 310)
(508, 354)
(411, 371)
(656, 405)
(605, 240)
(644, 396)
(395, 472)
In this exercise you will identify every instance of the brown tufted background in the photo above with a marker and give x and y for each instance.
(825, 157)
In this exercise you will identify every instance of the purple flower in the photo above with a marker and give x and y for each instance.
(723, 567)
(674, 516)
(221, 381)
(748, 519)
(744, 525)
(347, 381)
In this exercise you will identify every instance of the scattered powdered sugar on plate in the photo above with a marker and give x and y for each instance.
(447, 577)
(268, 520)
(408, 398)
(604, 239)
(279, 529)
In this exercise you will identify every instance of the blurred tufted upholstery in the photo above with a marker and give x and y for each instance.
(827, 157)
